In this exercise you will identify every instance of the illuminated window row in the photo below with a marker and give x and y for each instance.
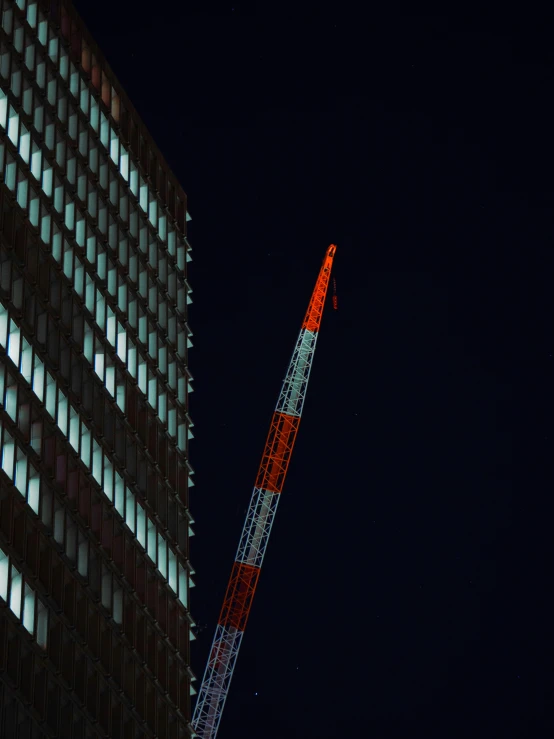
(26, 479)
(75, 370)
(114, 331)
(137, 366)
(75, 221)
(148, 208)
(76, 173)
(73, 542)
(34, 615)
(81, 440)
(22, 600)
(24, 476)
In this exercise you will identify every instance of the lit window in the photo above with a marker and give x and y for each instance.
(29, 609)
(62, 412)
(162, 556)
(123, 163)
(111, 327)
(47, 179)
(133, 180)
(143, 200)
(114, 147)
(130, 510)
(7, 20)
(10, 399)
(16, 583)
(58, 195)
(88, 342)
(4, 575)
(73, 80)
(183, 586)
(142, 374)
(74, 425)
(141, 526)
(22, 189)
(50, 395)
(38, 378)
(182, 437)
(45, 226)
(94, 114)
(21, 467)
(42, 30)
(53, 46)
(153, 212)
(96, 462)
(119, 501)
(3, 108)
(152, 392)
(171, 241)
(172, 570)
(108, 478)
(151, 551)
(14, 340)
(32, 13)
(33, 490)
(34, 207)
(99, 363)
(24, 144)
(104, 130)
(8, 455)
(11, 173)
(162, 406)
(22, 600)
(121, 342)
(162, 227)
(13, 126)
(85, 444)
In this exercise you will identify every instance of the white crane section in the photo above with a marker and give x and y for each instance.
(257, 528)
(216, 680)
(293, 392)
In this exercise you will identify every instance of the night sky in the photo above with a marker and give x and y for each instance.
(408, 582)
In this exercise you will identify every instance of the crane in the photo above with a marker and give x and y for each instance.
(260, 516)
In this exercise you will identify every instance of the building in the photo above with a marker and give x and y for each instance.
(94, 473)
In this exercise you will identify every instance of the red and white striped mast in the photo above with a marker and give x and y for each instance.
(259, 519)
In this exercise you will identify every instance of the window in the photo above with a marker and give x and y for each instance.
(22, 600)
(21, 471)
(8, 454)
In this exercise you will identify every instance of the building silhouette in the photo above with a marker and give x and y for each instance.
(95, 626)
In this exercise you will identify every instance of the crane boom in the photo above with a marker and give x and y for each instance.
(260, 516)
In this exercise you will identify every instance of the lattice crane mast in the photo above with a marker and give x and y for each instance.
(259, 519)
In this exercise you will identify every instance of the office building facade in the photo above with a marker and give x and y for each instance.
(95, 627)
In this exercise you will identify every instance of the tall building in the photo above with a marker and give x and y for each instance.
(94, 473)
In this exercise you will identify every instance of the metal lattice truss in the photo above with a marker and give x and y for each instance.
(216, 681)
(312, 319)
(239, 596)
(277, 452)
(257, 529)
(261, 514)
(293, 392)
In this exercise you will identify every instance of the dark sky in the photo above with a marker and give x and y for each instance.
(407, 585)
